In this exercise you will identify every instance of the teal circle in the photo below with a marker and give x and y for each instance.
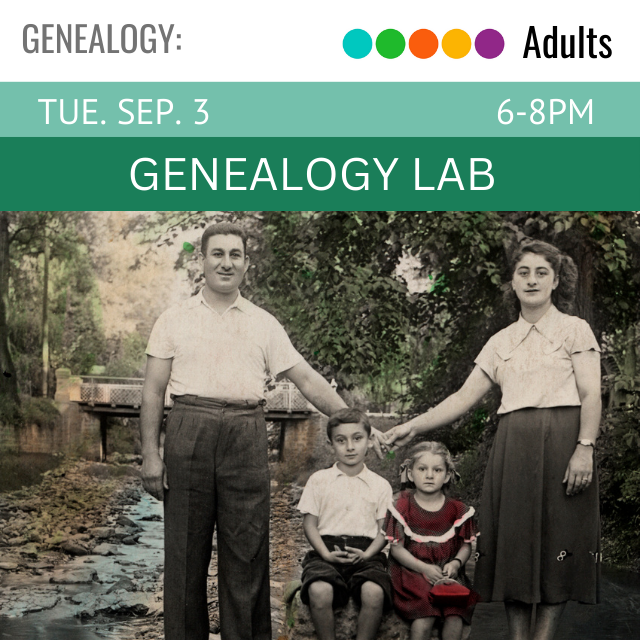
(357, 44)
(390, 43)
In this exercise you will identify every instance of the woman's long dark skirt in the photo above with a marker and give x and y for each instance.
(536, 543)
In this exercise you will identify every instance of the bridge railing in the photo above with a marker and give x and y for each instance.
(101, 390)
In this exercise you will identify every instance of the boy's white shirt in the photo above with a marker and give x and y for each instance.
(346, 505)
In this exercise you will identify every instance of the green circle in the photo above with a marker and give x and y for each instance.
(390, 43)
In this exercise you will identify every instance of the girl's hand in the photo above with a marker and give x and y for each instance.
(579, 473)
(450, 570)
(432, 573)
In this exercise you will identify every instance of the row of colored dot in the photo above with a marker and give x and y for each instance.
(423, 43)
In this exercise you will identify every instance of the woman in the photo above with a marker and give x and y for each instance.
(539, 522)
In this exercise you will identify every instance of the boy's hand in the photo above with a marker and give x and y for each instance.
(357, 555)
(450, 570)
(338, 556)
(432, 573)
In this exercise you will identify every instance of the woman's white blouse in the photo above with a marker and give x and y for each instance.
(532, 362)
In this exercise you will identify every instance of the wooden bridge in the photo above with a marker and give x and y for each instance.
(106, 397)
(123, 396)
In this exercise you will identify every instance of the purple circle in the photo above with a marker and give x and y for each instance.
(489, 43)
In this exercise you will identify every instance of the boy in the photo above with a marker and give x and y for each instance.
(344, 509)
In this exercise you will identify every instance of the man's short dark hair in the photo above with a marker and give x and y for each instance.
(223, 229)
(348, 416)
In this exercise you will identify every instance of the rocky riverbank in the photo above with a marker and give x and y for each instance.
(86, 544)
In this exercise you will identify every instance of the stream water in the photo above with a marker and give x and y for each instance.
(59, 622)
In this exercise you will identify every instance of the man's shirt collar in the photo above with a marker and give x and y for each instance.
(240, 303)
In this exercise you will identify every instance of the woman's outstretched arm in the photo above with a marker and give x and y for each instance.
(475, 387)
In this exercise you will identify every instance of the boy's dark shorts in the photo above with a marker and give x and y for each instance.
(346, 579)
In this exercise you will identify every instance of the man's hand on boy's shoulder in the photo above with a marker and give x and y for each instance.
(338, 556)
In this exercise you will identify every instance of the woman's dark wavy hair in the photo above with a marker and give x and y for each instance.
(564, 295)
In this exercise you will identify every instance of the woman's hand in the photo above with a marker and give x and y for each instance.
(432, 573)
(579, 473)
(398, 436)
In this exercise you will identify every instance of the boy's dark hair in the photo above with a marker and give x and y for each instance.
(223, 229)
(348, 416)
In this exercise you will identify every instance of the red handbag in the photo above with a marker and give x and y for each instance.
(449, 593)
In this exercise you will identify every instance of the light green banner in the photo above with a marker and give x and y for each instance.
(421, 109)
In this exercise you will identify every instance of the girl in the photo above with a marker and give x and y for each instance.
(431, 537)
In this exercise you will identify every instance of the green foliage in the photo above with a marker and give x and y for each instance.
(76, 340)
(40, 411)
(618, 456)
(330, 278)
(10, 411)
(123, 436)
(129, 362)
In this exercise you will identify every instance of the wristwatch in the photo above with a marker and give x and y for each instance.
(587, 443)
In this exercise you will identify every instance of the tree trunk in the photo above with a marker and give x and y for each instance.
(45, 319)
(8, 378)
(630, 359)
(586, 275)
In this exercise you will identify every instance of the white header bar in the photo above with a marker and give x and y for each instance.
(294, 40)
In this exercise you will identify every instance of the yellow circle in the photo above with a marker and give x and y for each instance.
(456, 43)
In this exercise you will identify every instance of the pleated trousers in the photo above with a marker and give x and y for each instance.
(218, 476)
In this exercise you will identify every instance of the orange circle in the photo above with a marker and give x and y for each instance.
(423, 43)
(456, 43)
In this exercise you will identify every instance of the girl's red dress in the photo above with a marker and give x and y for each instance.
(433, 537)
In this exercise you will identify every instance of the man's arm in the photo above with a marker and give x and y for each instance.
(322, 395)
(154, 475)
(315, 388)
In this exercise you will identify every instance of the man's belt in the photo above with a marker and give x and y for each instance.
(213, 403)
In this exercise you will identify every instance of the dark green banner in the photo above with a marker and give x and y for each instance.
(321, 173)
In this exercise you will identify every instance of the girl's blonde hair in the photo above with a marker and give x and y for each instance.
(437, 449)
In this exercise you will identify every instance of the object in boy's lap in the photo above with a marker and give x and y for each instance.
(449, 593)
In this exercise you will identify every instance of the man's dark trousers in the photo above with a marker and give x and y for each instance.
(218, 475)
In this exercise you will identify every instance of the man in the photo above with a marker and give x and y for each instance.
(214, 352)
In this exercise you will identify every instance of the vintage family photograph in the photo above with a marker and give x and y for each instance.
(319, 425)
